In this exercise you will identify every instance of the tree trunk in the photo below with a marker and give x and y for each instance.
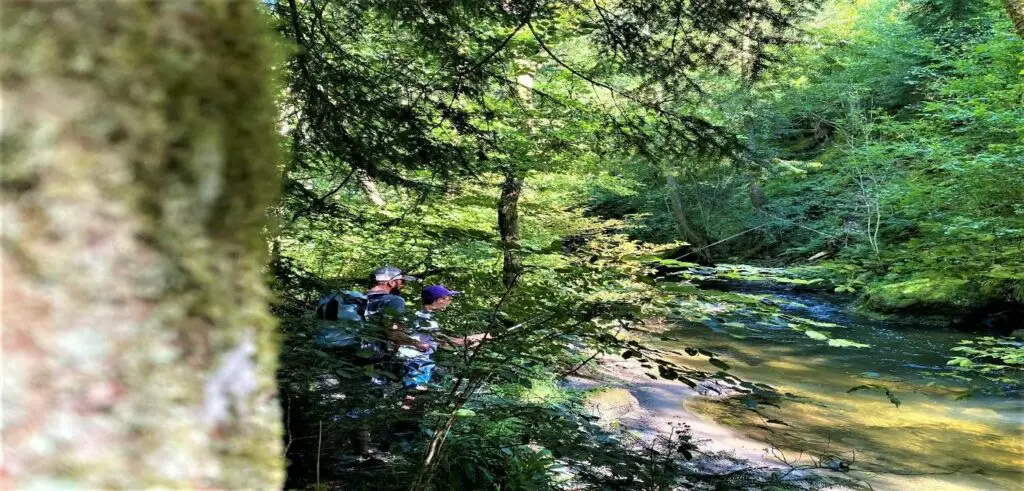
(369, 187)
(508, 203)
(1015, 9)
(756, 194)
(508, 228)
(139, 161)
(686, 229)
(749, 74)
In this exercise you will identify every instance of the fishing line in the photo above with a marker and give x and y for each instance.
(751, 230)
(723, 240)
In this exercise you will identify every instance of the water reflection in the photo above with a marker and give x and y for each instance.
(931, 441)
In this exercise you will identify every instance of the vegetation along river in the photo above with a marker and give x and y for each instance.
(938, 431)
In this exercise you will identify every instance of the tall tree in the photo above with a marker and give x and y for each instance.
(687, 230)
(399, 89)
(508, 227)
(1015, 9)
(139, 158)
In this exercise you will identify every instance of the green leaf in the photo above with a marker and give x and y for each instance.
(892, 398)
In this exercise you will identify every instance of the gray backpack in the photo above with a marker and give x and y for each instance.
(343, 312)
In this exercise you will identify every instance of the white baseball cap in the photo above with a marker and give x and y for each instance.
(391, 273)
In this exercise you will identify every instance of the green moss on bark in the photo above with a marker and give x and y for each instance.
(139, 158)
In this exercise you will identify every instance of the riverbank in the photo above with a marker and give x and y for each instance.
(622, 395)
(655, 408)
(942, 303)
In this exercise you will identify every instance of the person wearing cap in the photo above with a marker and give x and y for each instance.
(385, 308)
(385, 291)
(384, 301)
(419, 365)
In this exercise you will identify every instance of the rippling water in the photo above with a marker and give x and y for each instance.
(932, 441)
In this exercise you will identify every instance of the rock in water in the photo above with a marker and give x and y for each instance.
(139, 157)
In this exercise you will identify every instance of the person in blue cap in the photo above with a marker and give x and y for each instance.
(419, 363)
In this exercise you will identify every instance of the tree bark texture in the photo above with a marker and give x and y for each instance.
(369, 187)
(508, 228)
(139, 157)
(756, 194)
(1015, 9)
(687, 231)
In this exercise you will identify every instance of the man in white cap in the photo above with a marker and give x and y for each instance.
(385, 309)
(385, 292)
(384, 304)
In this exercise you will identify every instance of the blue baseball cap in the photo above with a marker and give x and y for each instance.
(433, 292)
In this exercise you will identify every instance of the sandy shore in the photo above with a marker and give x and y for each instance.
(662, 403)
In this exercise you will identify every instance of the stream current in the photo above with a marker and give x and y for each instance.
(812, 351)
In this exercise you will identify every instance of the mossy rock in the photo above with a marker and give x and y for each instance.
(935, 295)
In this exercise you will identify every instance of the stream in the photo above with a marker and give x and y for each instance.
(812, 350)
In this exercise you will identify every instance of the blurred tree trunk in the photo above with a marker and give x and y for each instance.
(369, 187)
(1015, 9)
(687, 231)
(139, 160)
(508, 228)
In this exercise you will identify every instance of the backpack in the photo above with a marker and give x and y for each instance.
(344, 312)
(343, 306)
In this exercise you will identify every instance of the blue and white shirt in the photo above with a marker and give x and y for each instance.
(422, 327)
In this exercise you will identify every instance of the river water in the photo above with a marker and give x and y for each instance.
(812, 351)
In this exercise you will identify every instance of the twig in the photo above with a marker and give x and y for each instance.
(504, 42)
(288, 422)
(319, 440)
(823, 234)
(596, 352)
(723, 240)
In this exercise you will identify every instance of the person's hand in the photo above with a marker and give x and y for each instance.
(478, 338)
(423, 346)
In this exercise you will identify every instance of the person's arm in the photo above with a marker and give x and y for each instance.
(465, 341)
(397, 334)
(399, 337)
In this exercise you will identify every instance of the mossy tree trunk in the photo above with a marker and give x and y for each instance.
(139, 157)
(1015, 9)
(508, 228)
